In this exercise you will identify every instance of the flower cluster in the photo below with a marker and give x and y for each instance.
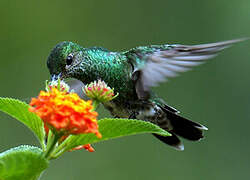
(99, 91)
(60, 85)
(65, 112)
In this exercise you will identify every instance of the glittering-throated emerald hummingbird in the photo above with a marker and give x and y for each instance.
(132, 73)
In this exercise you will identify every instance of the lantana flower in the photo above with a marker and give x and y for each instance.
(59, 84)
(65, 112)
(99, 91)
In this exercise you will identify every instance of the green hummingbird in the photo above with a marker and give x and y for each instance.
(132, 74)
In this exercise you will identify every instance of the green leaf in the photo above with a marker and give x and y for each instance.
(22, 163)
(111, 128)
(19, 110)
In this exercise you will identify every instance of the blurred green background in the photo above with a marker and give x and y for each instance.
(216, 94)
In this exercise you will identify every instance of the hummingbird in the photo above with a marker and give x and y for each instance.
(133, 73)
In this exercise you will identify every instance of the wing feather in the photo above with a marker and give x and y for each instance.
(162, 64)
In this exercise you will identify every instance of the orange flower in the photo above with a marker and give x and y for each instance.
(65, 112)
(88, 147)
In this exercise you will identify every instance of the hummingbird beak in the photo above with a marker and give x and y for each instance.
(55, 77)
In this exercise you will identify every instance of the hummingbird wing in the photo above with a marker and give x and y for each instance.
(167, 61)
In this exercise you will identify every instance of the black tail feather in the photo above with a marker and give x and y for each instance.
(185, 128)
(173, 141)
(182, 127)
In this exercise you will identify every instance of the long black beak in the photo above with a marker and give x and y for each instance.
(55, 77)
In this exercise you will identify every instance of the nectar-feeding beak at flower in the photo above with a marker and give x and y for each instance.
(58, 84)
(55, 77)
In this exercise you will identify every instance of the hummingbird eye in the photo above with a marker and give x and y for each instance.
(69, 59)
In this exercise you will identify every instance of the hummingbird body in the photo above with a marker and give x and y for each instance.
(132, 74)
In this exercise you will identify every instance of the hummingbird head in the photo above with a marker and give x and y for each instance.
(64, 59)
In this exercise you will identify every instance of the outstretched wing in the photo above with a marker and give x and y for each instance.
(169, 60)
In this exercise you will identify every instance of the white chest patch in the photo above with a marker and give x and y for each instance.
(146, 113)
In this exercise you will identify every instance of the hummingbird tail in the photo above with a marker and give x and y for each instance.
(182, 127)
(173, 141)
(185, 128)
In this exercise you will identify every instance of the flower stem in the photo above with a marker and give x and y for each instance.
(51, 145)
(57, 154)
(61, 148)
(95, 104)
